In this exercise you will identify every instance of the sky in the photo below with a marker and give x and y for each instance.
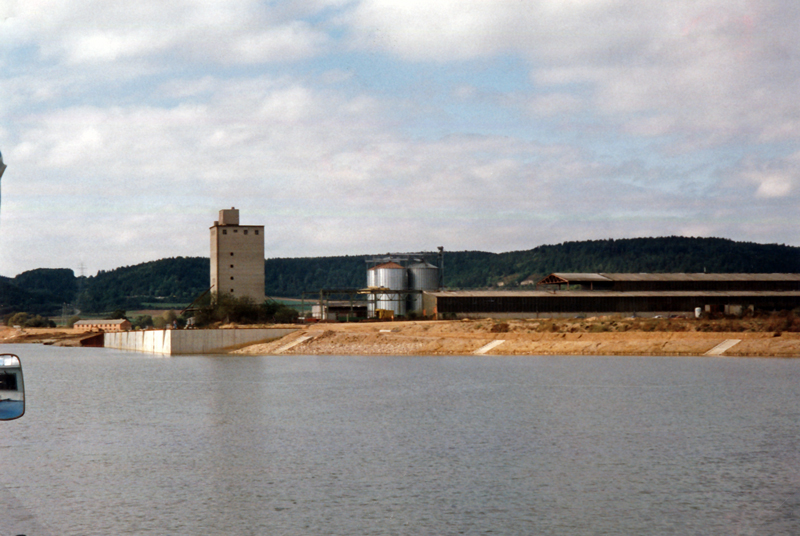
(351, 127)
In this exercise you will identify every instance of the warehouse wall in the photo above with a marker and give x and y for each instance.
(567, 304)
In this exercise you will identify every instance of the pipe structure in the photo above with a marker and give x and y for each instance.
(2, 169)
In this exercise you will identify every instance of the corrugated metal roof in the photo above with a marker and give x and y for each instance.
(604, 293)
(100, 321)
(702, 277)
(579, 277)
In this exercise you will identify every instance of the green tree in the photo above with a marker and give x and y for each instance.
(243, 310)
(142, 322)
(279, 313)
(26, 320)
(38, 321)
(17, 319)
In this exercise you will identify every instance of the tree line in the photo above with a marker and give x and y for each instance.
(176, 282)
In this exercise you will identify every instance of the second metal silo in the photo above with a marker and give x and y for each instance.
(392, 276)
(421, 276)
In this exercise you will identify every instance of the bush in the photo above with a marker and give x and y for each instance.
(172, 319)
(26, 321)
(502, 327)
(782, 321)
(142, 322)
(279, 313)
(286, 315)
(243, 310)
(39, 321)
(17, 319)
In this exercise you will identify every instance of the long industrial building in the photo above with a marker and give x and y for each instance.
(628, 294)
(671, 282)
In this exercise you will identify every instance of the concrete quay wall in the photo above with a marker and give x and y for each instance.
(190, 341)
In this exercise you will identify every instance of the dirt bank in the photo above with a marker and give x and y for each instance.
(766, 337)
(54, 336)
(527, 337)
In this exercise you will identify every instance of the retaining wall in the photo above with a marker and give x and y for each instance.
(190, 341)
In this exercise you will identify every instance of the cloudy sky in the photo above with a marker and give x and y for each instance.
(367, 126)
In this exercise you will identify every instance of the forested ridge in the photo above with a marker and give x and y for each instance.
(174, 282)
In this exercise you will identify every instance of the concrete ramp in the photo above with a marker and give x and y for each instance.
(723, 347)
(299, 340)
(485, 348)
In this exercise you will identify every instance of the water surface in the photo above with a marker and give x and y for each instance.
(125, 443)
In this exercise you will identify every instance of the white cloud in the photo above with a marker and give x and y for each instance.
(213, 31)
(708, 70)
(629, 119)
(552, 104)
(778, 178)
(284, 43)
(107, 46)
(420, 29)
(267, 145)
(773, 185)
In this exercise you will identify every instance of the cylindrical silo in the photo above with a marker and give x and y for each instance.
(392, 276)
(421, 276)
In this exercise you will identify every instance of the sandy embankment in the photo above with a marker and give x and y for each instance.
(520, 338)
(602, 336)
(56, 336)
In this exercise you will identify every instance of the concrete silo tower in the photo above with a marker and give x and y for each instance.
(237, 257)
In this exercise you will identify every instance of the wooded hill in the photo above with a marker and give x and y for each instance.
(175, 282)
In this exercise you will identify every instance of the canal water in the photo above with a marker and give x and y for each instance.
(123, 443)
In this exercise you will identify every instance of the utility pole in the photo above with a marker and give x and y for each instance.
(441, 267)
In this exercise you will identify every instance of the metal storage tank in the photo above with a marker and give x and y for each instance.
(421, 276)
(394, 277)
